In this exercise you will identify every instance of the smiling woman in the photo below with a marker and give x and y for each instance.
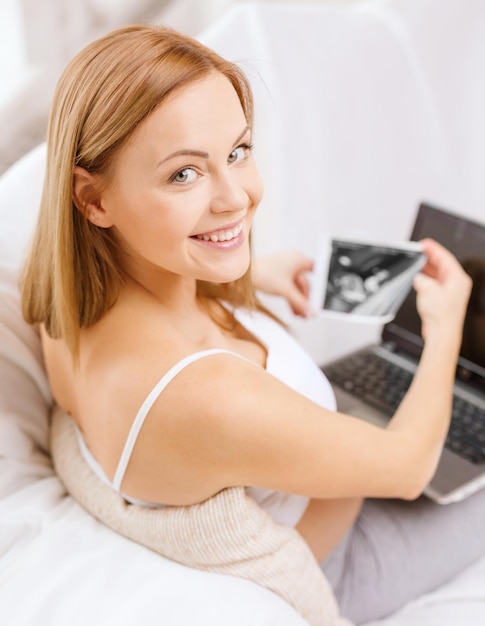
(178, 193)
(180, 384)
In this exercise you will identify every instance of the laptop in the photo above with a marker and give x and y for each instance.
(371, 382)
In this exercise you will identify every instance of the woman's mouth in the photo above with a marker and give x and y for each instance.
(227, 234)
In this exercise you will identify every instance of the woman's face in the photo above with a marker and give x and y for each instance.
(183, 190)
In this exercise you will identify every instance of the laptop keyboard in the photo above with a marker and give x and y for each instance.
(382, 384)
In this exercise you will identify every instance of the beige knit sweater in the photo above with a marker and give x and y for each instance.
(228, 533)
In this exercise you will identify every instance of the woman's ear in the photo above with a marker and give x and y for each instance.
(86, 195)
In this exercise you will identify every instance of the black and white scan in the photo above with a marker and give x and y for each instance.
(369, 279)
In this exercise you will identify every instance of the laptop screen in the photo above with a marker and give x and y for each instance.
(466, 240)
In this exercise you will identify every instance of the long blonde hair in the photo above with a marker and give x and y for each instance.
(71, 278)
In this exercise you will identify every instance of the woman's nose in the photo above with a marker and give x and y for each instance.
(229, 194)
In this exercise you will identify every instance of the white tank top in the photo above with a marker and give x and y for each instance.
(286, 360)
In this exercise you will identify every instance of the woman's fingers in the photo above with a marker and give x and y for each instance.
(443, 290)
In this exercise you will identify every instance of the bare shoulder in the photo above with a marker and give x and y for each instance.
(121, 358)
(199, 430)
(124, 358)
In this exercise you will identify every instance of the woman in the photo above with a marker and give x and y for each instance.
(140, 271)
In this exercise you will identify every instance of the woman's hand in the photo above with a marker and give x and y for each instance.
(284, 274)
(443, 290)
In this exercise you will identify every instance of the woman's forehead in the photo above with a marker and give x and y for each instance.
(194, 110)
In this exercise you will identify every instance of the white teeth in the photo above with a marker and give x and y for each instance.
(222, 235)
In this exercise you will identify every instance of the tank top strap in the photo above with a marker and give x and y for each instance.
(148, 403)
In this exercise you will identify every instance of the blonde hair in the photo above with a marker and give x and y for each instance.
(71, 278)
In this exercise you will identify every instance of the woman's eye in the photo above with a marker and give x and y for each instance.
(187, 175)
(239, 153)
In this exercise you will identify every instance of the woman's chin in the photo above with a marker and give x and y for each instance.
(229, 274)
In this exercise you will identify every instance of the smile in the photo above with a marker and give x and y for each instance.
(227, 234)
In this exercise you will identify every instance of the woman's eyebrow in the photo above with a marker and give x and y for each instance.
(198, 153)
(241, 135)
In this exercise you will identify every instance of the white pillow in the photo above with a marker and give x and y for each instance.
(24, 391)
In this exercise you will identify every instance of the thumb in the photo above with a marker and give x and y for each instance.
(422, 282)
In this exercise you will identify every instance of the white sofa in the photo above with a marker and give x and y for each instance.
(362, 111)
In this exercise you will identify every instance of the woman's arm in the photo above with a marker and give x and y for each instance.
(442, 296)
(229, 422)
